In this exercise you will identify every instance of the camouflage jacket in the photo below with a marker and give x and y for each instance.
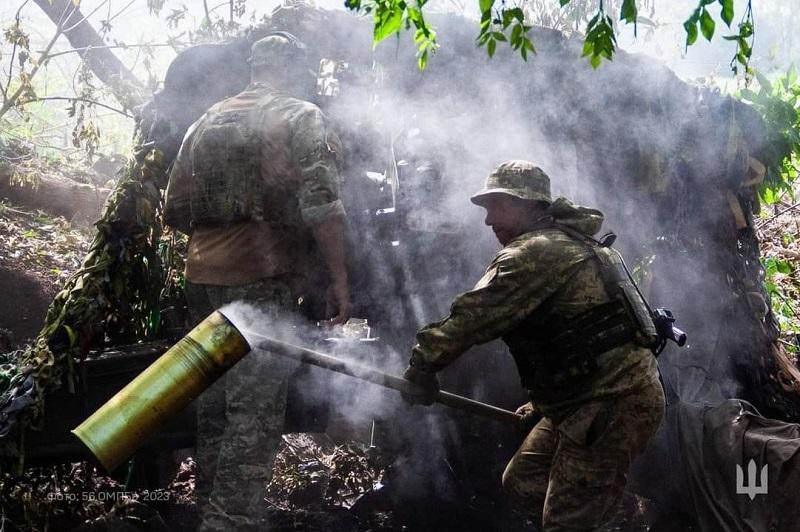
(299, 164)
(542, 272)
(299, 156)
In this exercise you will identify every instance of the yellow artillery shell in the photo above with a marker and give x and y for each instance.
(167, 386)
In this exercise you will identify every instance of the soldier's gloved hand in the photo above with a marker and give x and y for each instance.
(338, 303)
(528, 417)
(426, 386)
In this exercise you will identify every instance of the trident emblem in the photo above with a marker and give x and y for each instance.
(751, 489)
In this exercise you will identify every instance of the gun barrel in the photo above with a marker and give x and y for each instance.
(366, 373)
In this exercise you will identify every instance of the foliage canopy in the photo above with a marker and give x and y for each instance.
(504, 22)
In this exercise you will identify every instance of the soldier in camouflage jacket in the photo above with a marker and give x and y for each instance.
(581, 351)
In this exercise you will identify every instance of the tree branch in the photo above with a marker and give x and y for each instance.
(121, 11)
(86, 100)
(125, 86)
(107, 47)
(85, 18)
(12, 101)
(13, 55)
(771, 218)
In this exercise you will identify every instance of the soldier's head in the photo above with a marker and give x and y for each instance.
(516, 194)
(280, 59)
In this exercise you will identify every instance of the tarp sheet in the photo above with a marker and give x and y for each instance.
(692, 466)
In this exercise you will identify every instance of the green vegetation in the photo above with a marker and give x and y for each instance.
(778, 102)
(505, 22)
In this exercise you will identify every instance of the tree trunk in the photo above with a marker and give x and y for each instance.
(125, 86)
(57, 195)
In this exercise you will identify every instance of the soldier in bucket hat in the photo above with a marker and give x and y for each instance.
(519, 179)
(580, 336)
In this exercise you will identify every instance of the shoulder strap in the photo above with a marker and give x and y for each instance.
(619, 283)
(610, 275)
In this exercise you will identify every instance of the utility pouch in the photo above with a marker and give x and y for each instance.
(177, 212)
(620, 286)
(227, 186)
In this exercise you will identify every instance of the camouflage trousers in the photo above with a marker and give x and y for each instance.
(240, 417)
(571, 475)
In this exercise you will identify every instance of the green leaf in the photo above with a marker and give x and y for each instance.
(791, 77)
(749, 95)
(707, 24)
(485, 5)
(770, 286)
(769, 267)
(527, 43)
(600, 40)
(491, 46)
(422, 62)
(628, 13)
(507, 17)
(498, 35)
(516, 34)
(691, 32)
(746, 29)
(527, 46)
(588, 47)
(768, 196)
(71, 335)
(387, 23)
(518, 14)
(727, 12)
(744, 48)
(563, 2)
(763, 81)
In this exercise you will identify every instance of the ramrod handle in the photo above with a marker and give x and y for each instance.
(366, 373)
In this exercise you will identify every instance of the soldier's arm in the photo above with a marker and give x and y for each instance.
(513, 286)
(330, 238)
(316, 156)
(177, 194)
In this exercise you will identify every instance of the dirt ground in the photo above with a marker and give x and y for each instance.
(38, 252)
(24, 304)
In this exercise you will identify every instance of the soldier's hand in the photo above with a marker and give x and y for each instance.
(338, 303)
(425, 389)
(528, 417)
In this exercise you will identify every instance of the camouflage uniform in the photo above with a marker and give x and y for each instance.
(240, 417)
(263, 261)
(570, 470)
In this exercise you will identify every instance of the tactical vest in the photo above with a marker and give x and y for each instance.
(227, 186)
(557, 357)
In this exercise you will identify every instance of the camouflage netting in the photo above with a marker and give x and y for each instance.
(630, 138)
(113, 298)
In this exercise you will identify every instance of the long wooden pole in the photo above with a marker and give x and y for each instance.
(315, 358)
